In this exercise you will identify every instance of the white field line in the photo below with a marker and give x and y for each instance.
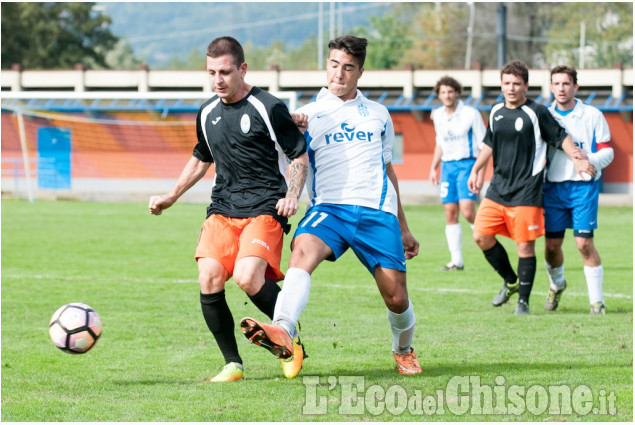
(474, 292)
(328, 285)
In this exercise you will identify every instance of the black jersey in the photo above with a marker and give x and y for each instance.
(249, 142)
(518, 138)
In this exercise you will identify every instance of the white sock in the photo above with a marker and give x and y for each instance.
(292, 299)
(453, 235)
(556, 276)
(594, 277)
(402, 327)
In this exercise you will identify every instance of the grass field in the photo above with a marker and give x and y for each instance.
(155, 353)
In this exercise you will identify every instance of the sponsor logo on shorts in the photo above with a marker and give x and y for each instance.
(533, 227)
(263, 243)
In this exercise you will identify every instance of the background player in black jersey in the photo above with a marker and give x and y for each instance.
(244, 131)
(517, 137)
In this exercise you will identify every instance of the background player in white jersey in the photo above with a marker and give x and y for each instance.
(459, 135)
(248, 134)
(571, 201)
(354, 203)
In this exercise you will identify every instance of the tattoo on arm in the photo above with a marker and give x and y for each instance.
(297, 176)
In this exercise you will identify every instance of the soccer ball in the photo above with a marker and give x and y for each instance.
(75, 328)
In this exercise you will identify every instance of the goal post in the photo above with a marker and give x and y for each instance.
(122, 146)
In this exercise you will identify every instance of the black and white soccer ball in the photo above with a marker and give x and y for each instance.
(75, 328)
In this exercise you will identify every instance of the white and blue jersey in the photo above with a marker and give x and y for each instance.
(460, 137)
(569, 201)
(353, 203)
(588, 128)
(349, 144)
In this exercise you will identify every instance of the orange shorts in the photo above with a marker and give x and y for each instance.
(522, 224)
(227, 240)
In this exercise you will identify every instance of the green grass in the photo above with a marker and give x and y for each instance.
(155, 353)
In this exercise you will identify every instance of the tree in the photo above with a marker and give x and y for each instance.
(122, 56)
(608, 34)
(55, 35)
(440, 32)
(388, 39)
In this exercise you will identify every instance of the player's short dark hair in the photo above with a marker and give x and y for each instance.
(226, 46)
(564, 69)
(354, 46)
(516, 68)
(447, 81)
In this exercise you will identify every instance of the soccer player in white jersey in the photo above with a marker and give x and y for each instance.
(354, 203)
(571, 201)
(459, 135)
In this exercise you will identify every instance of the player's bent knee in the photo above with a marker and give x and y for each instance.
(248, 280)
(484, 242)
(211, 276)
(585, 246)
(397, 303)
(210, 285)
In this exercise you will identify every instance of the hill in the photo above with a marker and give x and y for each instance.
(159, 31)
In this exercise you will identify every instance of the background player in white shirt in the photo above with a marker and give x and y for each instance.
(459, 135)
(571, 201)
(354, 204)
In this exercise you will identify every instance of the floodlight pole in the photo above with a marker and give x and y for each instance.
(320, 37)
(470, 34)
(501, 34)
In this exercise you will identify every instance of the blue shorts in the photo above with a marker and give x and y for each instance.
(571, 205)
(373, 235)
(454, 176)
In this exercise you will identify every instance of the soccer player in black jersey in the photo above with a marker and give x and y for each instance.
(517, 137)
(249, 136)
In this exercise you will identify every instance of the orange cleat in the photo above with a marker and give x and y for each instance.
(407, 364)
(272, 337)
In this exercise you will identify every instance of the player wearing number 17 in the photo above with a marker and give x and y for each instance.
(354, 203)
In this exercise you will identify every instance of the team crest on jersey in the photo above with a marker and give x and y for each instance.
(518, 125)
(363, 110)
(245, 123)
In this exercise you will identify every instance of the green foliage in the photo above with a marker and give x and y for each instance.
(387, 41)
(608, 34)
(156, 352)
(55, 35)
(121, 56)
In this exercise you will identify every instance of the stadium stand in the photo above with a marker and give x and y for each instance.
(134, 139)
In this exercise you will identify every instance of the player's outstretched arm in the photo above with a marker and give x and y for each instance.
(298, 170)
(194, 170)
(410, 244)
